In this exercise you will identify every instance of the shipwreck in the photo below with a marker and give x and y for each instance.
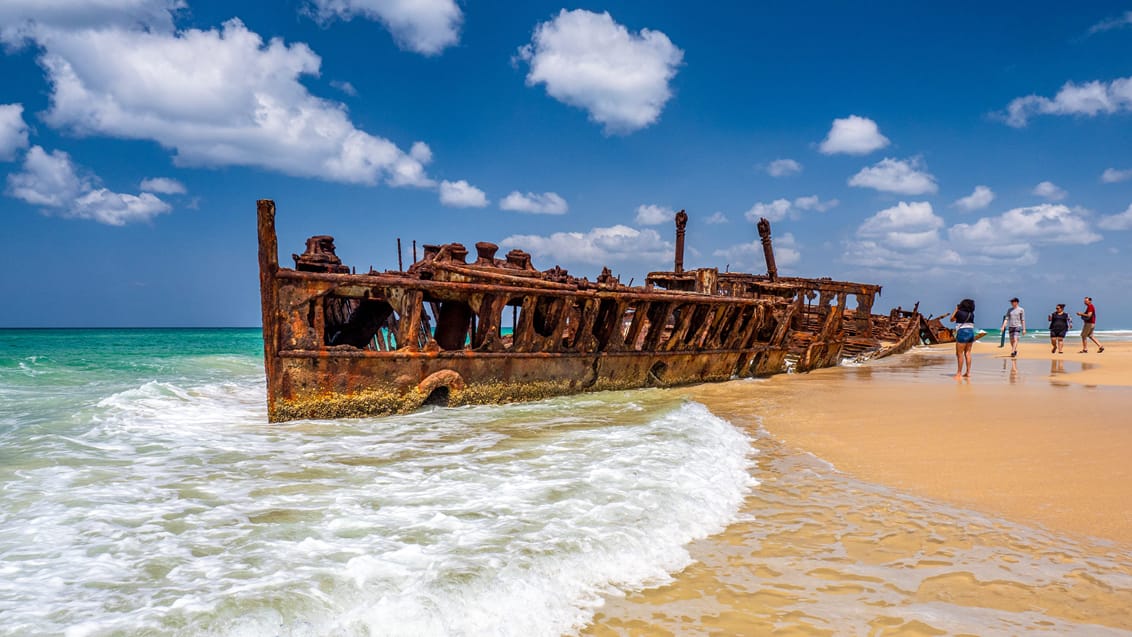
(455, 329)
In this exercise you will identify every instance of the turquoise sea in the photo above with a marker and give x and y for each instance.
(143, 493)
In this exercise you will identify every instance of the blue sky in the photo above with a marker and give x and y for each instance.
(975, 152)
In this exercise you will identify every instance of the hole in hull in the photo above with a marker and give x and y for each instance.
(438, 398)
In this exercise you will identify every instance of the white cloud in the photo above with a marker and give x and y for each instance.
(783, 168)
(163, 185)
(899, 176)
(23, 20)
(750, 256)
(1088, 99)
(1112, 175)
(1121, 221)
(461, 194)
(917, 216)
(422, 26)
(1112, 23)
(1050, 190)
(345, 87)
(814, 203)
(548, 203)
(1041, 224)
(599, 246)
(218, 97)
(903, 237)
(977, 200)
(853, 135)
(13, 131)
(51, 180)
(587, 60)
(653, 214)
(780, 209)
(716, 218)
(773, 211)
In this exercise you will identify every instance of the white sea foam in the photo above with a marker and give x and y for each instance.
(175, 511)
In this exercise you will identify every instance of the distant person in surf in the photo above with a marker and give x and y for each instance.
(1059, 323)
(1089, 318)
(964, 319)
(1015, 321)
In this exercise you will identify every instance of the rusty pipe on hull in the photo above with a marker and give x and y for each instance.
(768, 249)
(681, 224)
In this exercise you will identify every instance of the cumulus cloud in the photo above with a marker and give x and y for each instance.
(163, 185)
(52, 181)
(903, 237)
(461, 194)
(977, 200)
(1112, 175)
(1088, 99)
(652, 214)
(1044, 223)
(783, 168)
(548, 203)
(780, 209)
(716, 218)
(1112, 23)
(853, 135)
(26, 20)
(13, 131)
(903, 177)
(599, 246)
(1050, 190)
(588, 61)
(215, 97)
(750, 256)
(422, 26)
(1121, 221)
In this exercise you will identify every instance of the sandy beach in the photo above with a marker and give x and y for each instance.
(898, 500)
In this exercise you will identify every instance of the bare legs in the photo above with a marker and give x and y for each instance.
(963, 354)
(1057, 344)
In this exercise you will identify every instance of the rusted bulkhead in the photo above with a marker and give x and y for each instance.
(339, 344)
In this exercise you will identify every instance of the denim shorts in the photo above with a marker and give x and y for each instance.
(965, 335)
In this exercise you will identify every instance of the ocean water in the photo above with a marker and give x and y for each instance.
(143, 493)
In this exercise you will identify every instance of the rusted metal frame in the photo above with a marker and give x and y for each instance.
(659, 314)
(584, 340)
(640, 318)
(864, 318)
(489, 309)
(722, 319)
(748, 321)
(525, 339)
(557, 311)
(615, 327)
(703, 330)
(504, 355)
(679, 331)
(269, 295)
(365, 281)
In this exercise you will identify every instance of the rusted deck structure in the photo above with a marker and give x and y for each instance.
(340, 344)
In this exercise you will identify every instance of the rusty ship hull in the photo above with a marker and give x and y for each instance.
(341, 344)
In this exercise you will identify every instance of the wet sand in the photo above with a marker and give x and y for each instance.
(897, 500)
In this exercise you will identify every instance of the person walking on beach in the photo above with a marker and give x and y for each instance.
(964, 319)
(1089, 318)
(1059, 323)
(1015, 321)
